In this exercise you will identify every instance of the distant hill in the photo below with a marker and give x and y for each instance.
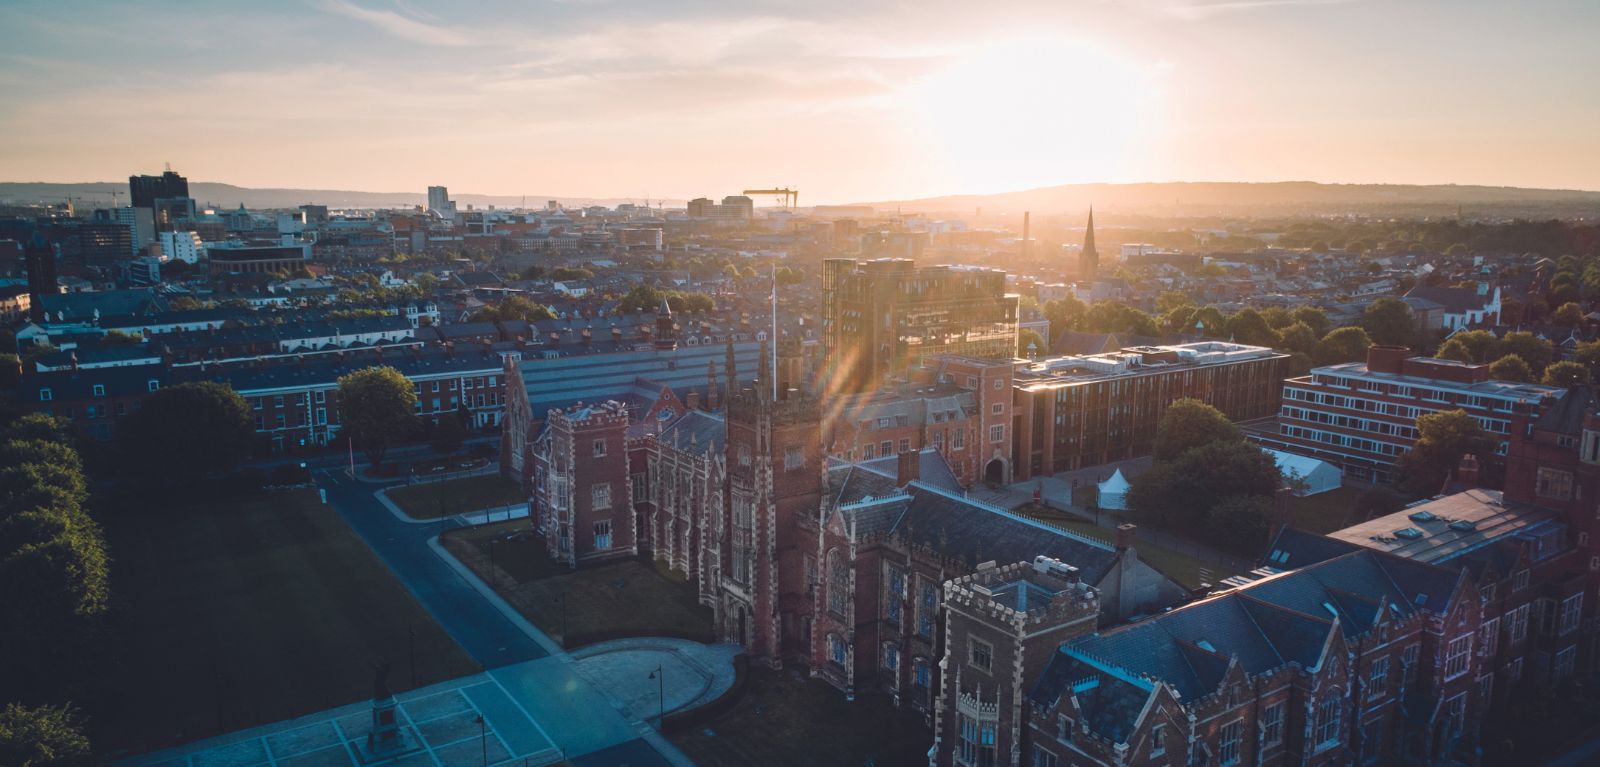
(1179, 199)
(1286, 197)
(212, 194)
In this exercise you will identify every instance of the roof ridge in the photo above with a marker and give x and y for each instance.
(1012, 515)
(1261, 632)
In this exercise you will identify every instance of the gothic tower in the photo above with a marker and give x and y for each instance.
(774, 457)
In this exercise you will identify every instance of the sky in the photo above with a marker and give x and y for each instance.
(844, 100)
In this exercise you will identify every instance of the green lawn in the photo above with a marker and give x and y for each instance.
(627, 596)
(1180, 566)
(429, 500)
(784, 720)
(1325, 512)
(247, 611)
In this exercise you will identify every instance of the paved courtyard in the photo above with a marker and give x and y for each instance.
(521, 706)
(693, 674)
(441, 726)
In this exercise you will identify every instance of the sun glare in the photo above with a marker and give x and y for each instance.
(1032, 112)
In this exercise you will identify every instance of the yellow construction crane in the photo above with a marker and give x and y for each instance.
(791, 197)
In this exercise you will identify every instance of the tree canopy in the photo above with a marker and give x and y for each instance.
(1511, 368)
(1208, 491)
(1442, 439)
(1348, 344)
(1566, 373)
(43, 736)
(377, 410)
(1389, 321)
(514, 308)
(185, 433)
(1189, 423)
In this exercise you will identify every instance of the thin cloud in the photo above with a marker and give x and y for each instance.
(398, 24)
(1202, 9)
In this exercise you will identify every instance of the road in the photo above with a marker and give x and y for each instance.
(487, 634)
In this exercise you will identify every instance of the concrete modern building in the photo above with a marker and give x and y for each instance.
(183, 246)
(884, 316)
(1077, 411)
(732, 208)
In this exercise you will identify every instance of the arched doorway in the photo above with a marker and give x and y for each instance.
(994, 472)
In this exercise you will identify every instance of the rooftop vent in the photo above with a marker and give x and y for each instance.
(1408, 533)
(1421, 516)
(1463, 525)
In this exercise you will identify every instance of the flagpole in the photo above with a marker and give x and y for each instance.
(774, 335)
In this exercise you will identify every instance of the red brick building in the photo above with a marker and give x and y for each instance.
(582, 497)
(1078, 411)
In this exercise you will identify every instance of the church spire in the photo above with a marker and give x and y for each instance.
(1088, 258)
(1088, 234)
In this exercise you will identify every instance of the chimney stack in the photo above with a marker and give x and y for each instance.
(909, 469)
(1125, 535)
(1467, 472)
(692, 401)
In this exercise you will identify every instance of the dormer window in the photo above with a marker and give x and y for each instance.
(154, 385)
(99, 390)
(45, 395)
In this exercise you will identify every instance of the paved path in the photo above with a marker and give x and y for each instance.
(481, 629)
(536, 703)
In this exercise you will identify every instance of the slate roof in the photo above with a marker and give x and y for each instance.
(81, 307)
(1281, 619)
(931, 470)
(1566, 415)
(706, 430)
(1454, 300)
(1293, 548)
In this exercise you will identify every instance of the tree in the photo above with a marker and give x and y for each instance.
(514, 308)
(1389, 321)
(377, 410)
(450, 432)
(1533, 350)
(1172, 299)
(46, 736)
(1442, 439)
(1208, 321)
(1026, 337)
(1190, 423)
(1480, 345)
(1453, 349)
(1566, 373)
(1240, 523)
(1511, 368)
(1117, 317)
(1183, 493)
(1342, 345)
(566, 273)
(1568, 315)
(1246, 326)
(1065, 314)
(119, 338)
(1314, 318)
(1298, 338)
(185, 433)
(10, 371)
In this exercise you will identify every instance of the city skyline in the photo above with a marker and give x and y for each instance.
(850, 102)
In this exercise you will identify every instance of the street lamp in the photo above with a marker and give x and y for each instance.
(483, 735)
(561, 599)
(661, 697)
